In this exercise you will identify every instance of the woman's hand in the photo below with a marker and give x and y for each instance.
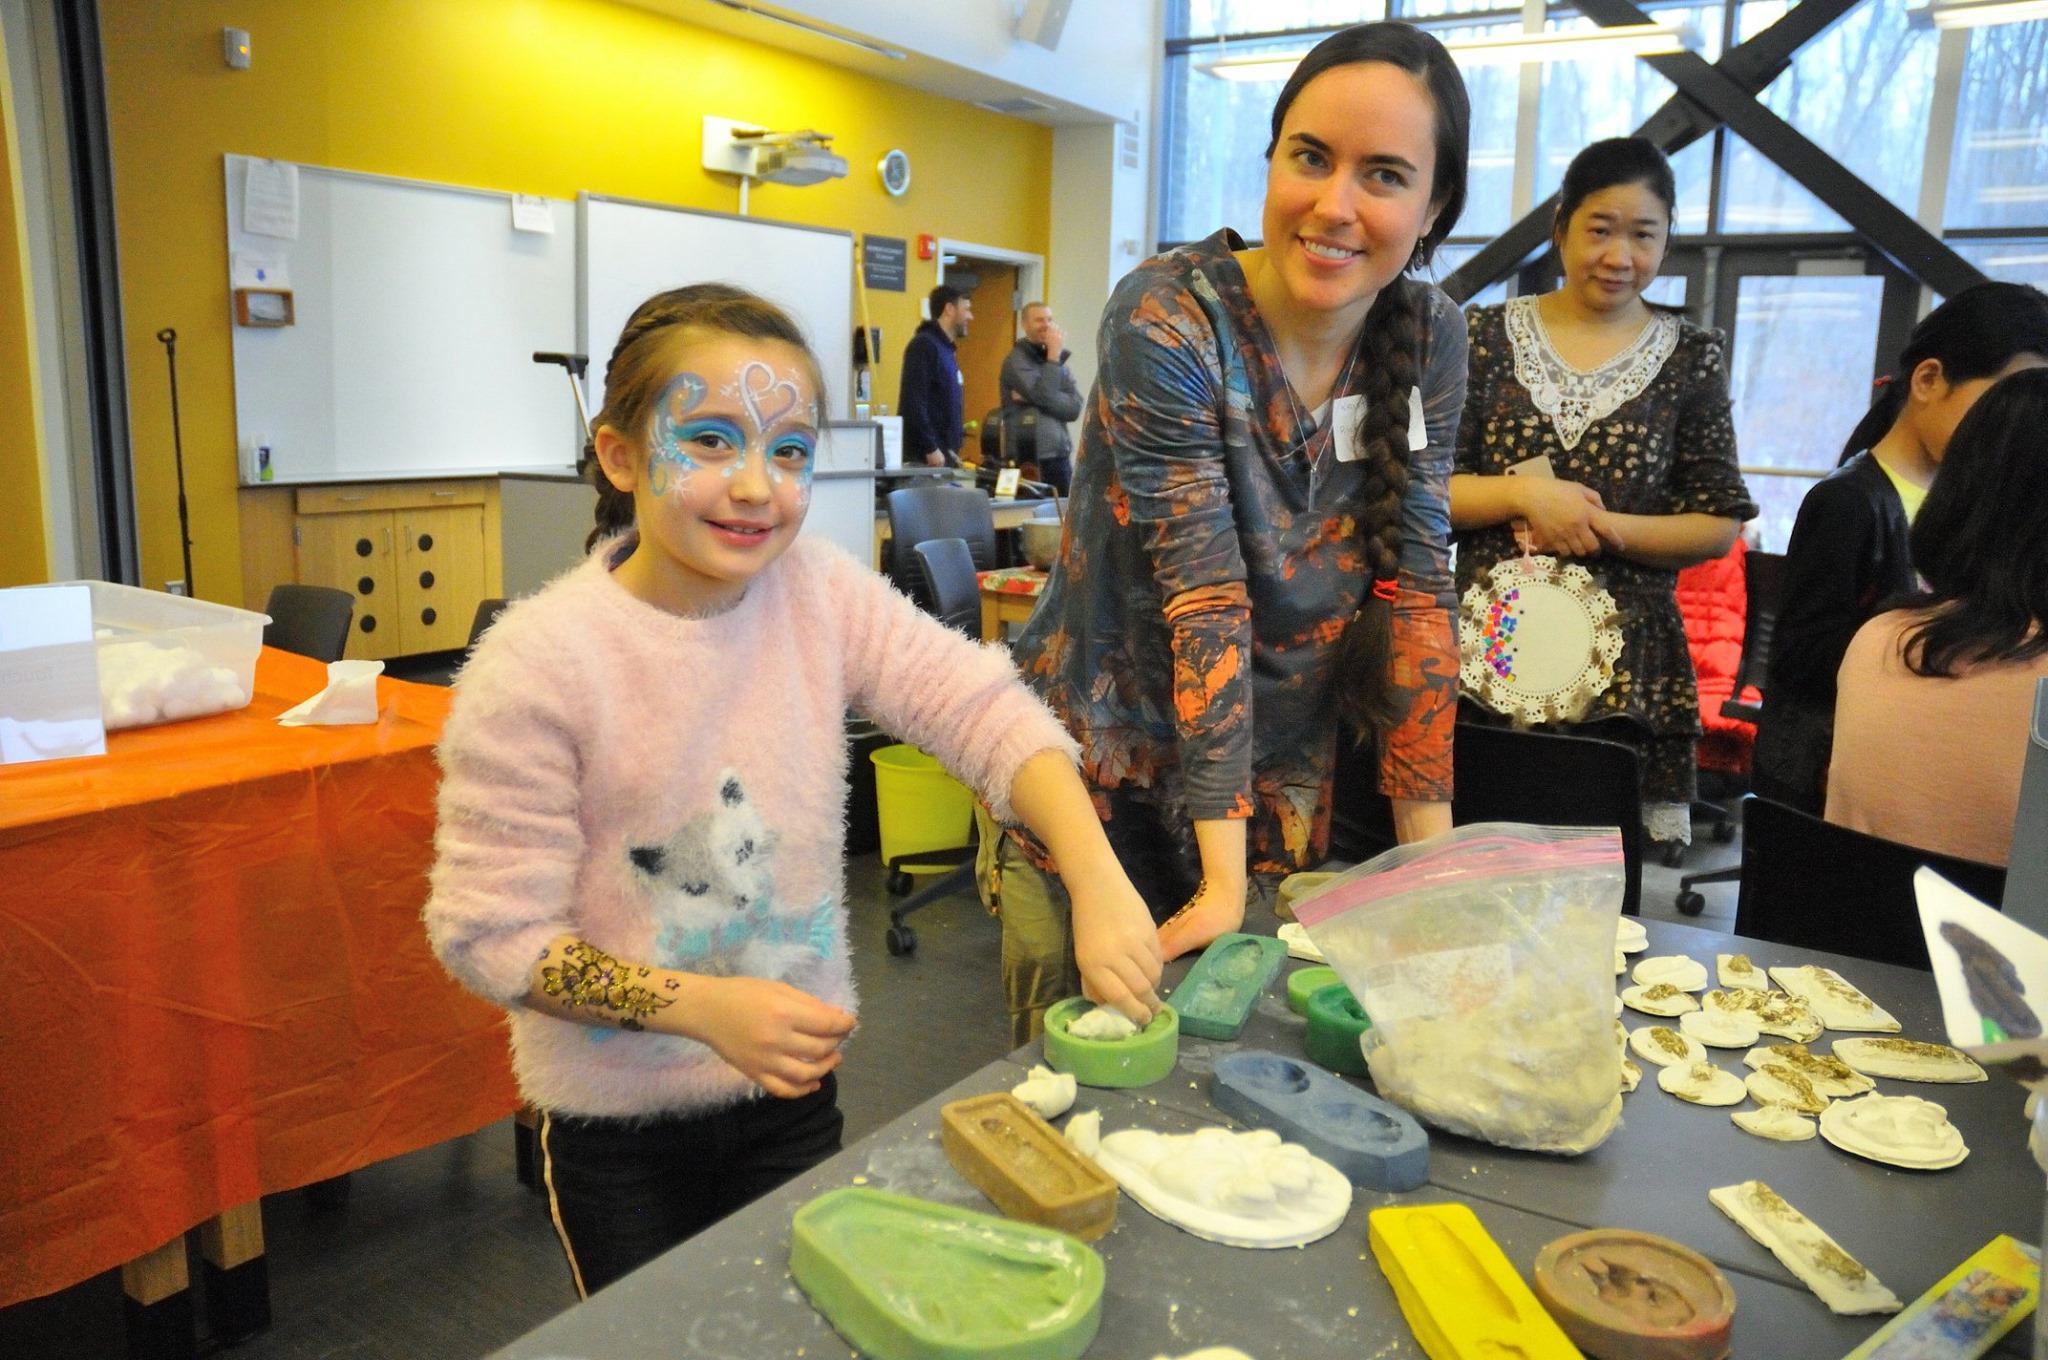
(1215, 909)
(1116, 946)
(783, 1038)
(1560, 516)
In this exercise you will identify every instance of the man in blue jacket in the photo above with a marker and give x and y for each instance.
(929, 399)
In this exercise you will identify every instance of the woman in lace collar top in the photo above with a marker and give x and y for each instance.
(1616, 414)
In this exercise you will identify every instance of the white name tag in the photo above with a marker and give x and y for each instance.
(1346, 412)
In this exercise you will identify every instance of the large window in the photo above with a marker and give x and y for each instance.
(1812, 311)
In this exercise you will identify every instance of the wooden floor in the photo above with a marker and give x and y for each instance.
(444, 1254)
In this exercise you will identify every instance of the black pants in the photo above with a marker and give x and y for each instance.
(1057, 473)
(626, 1190)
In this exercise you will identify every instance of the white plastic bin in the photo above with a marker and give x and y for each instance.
(164, 657)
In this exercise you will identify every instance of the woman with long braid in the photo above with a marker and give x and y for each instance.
(1257, 555)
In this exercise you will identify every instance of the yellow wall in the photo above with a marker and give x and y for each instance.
(23, 554)
(534, 96)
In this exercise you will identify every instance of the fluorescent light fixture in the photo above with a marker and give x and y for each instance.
(1759, 216)
(2029, 257)
(2008, 139)
(2014, 193)
(1977, 13)
(815, 30)
(1629, 40)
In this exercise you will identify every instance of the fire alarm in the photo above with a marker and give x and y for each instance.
(927, 247)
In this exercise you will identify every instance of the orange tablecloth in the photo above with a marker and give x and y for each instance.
(214, 984)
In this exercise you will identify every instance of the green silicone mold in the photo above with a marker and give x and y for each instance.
(1304, 982)
(1140, 1060)
(1216, 997)
(906, 1279)
(1335, 1022)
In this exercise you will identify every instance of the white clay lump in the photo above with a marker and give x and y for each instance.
(1720, 1029)
(1631, 1076)
(1664, 1046)
(1834, 999)
(1659, 999)
(1776, 1123)
(1702, 1083)
(1629, 935)
(1687, 975)
(1048, 1092)
(1830, 1076)
(1243, 1189)
(1896, 1130)
(1735, 970)
(1102, 1023)
(1776, 1084)
(1775, 1013)
(1840, 1280)
(1908, 1060)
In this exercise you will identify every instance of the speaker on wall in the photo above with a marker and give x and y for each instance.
(1042, 21)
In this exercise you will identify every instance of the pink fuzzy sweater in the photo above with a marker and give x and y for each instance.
(671, 789)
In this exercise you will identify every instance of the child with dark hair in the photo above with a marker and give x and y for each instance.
(1256, 548)
(1628, 403)
(1933, 700)
(640, 850)
(1848, 554)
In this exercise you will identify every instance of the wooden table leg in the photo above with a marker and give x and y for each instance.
(159, 1304)
(991, 618)
(235, 1273)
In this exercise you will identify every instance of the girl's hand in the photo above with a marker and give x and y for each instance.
(778, 1036)
(1116, 946)
(1560, 515)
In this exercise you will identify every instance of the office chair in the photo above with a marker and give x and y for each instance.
(487, 612)
(1765, 578)
(1506, 774)
(309, 620)
(946, 572)
(952, 592)
(918, 514)
(1811, 883)
(2026, 879)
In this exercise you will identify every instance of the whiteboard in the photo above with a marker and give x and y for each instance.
(631, 251)
(417, 312)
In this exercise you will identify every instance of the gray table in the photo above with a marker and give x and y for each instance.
(728, 1293)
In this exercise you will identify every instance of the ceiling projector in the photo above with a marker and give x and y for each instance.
(791, 157)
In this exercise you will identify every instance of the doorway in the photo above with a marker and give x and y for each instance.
(1000, 282)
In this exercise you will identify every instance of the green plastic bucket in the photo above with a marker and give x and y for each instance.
(919, 805)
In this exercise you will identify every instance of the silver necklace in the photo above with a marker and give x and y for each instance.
(1315, 460)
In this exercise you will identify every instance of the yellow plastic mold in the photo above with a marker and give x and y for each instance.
(1456, 1289)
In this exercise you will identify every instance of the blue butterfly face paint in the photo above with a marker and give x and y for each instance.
(773, 428)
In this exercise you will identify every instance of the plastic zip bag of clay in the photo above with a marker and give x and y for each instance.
(1485, 959)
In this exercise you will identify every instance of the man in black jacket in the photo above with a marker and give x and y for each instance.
(1035, 375)
(929, 398)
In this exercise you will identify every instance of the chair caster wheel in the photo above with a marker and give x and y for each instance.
(1724, 832)
(1691, 903)
(1672, 854)
(901, 940)
(899, 883)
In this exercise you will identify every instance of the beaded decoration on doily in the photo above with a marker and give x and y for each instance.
(1539, 640)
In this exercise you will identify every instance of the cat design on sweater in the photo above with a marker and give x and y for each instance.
(712, 888)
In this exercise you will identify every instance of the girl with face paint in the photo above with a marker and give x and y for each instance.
(640, 852)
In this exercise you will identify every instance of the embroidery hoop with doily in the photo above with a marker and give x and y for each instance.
(1539, 640)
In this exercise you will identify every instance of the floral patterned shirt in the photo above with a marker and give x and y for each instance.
(1209, 566)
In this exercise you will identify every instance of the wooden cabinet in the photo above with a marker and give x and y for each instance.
(418, 557)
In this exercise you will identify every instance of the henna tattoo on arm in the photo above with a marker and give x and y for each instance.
(590, 977)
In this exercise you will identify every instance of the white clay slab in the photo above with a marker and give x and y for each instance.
(1830, 1076)
(1735, 970)
(1686, 974)
(1776, 1013)
(1776, 1084)
(1908, 1060)
(1630, 936)
(1720, 1029)
(1631, 1076)
(1838, 1004)
(1299, 946)
(1837, 1277)
(1659, 999)
(1049, 1093)
(1620, 961)
(1243, 1189)
(1776, 1123)
(1664, 1046)
(1702, 1083)
(1896, 1130)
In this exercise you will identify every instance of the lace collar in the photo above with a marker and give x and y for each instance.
(1574, 400)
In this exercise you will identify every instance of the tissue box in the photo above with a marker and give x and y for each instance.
(164, 657)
